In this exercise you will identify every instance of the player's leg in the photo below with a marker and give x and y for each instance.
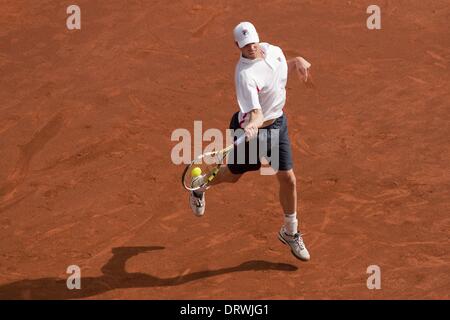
(288, 191)
(225, 175)
(289, 233)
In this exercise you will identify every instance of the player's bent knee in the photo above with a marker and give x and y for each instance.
(230, 176)
(287, 178)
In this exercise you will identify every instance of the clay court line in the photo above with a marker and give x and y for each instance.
(9, 124)
(440, 65)
(28, 151)
(164, 52)
(303, 147)
(200, 31)
(84, 155)
(11, 203)
(435, 56)
(348, 197)
(392, 194)
(116, 242)
(413, 243)
(418, 80)
(137, 103)
(387, 59)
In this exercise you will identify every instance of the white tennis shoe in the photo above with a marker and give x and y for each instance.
(197, 198)
(296, 243)
(198, 203)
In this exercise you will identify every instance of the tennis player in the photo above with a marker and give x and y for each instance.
(261, 76)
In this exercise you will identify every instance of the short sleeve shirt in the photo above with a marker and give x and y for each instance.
(261, 83)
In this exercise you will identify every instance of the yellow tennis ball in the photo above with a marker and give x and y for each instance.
(196, 172)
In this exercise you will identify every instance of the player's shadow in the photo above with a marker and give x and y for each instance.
(115, 277)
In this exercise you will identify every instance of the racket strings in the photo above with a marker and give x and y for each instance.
(208, 165)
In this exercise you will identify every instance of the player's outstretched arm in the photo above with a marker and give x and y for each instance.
(300, 66)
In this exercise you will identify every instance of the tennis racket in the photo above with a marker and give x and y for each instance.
(209, 164)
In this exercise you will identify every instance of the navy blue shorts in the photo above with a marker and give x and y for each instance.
(272, 142)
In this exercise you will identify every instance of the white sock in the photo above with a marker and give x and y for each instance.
(291, 223)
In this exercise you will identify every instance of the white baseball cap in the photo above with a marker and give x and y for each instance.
(245, 33)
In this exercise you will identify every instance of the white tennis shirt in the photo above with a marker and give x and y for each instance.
(261, 84)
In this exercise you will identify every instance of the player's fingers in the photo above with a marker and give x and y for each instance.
(249, 133)
(299, 74)
(310, 83)
(253, 132)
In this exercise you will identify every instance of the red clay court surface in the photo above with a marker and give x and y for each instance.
(86, 176)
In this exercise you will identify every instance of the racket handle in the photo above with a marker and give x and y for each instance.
(240, 140)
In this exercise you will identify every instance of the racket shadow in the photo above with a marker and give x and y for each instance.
(116, 277)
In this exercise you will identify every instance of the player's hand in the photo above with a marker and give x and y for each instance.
(302, 66)
(251, 131)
